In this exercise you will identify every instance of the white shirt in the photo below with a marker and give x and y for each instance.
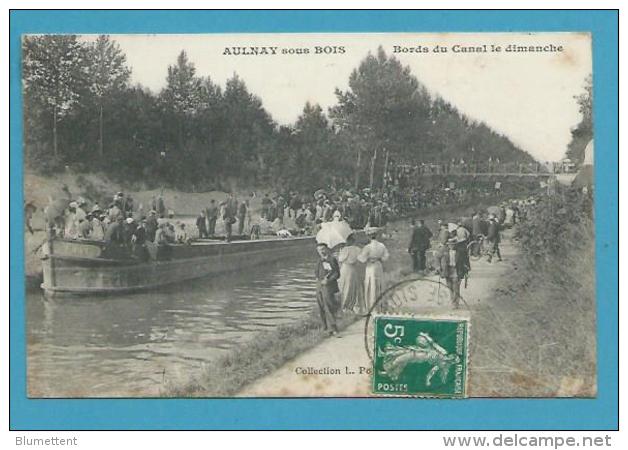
(374, 251)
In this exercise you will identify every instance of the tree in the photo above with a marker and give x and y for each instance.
(312, 161)
(53, 69)
(385, 108)
(249, 129)
(107, 73)
(583, 132)
(182, 94)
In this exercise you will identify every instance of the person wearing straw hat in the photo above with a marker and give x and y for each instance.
(453, 269)
(373, 255)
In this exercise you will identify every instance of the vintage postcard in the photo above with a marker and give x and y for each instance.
(309, 215)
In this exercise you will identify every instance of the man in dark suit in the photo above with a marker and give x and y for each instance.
(419, 243)
(494, 238)
(327, 274)
(242, 211)
(201, 225)
(212, 216)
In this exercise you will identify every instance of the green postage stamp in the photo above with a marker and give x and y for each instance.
(420, 356)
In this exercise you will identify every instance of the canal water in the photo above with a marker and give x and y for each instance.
(129, 345)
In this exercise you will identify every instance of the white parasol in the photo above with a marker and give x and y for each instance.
(333, 233)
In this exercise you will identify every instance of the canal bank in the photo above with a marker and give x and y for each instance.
(342, 368)
(232, 372)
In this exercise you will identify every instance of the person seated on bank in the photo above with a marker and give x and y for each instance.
(300, 217)
(181, 234)
(85, 227)
(284, 233)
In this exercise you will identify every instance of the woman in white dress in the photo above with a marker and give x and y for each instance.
(350, 282)
(373, 254)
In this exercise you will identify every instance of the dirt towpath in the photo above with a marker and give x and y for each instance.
(340, 367)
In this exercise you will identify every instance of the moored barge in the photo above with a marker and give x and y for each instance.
(91, 267)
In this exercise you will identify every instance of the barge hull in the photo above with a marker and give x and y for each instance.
(80, 273)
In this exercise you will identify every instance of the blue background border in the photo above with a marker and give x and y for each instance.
(599, 413)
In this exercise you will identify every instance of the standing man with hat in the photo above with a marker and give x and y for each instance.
(494, 237)
(453, 267)
(327, 274)
(201, 225)
(151, 225)
(242, 212)
(212, 216)
(419, 243)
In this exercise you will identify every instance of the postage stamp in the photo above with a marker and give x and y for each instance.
(420, 356)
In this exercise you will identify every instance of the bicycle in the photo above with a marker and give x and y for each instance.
(477, 248)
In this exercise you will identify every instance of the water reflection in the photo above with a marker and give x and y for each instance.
(127, 345)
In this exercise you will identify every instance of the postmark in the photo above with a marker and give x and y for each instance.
(427, 297)
(420, 356)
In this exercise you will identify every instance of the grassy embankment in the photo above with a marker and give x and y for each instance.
(229, 373)
(536, 337)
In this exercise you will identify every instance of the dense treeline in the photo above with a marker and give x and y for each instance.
(583, 132)
(81, 110)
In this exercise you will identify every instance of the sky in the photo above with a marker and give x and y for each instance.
(526, 96)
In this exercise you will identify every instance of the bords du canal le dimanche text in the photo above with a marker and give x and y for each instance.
(484, 48)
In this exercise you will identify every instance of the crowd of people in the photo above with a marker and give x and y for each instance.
(462, 166)
(124, 225)
(349, 277)
(352, 278)
(366, 207)
(120, 225)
